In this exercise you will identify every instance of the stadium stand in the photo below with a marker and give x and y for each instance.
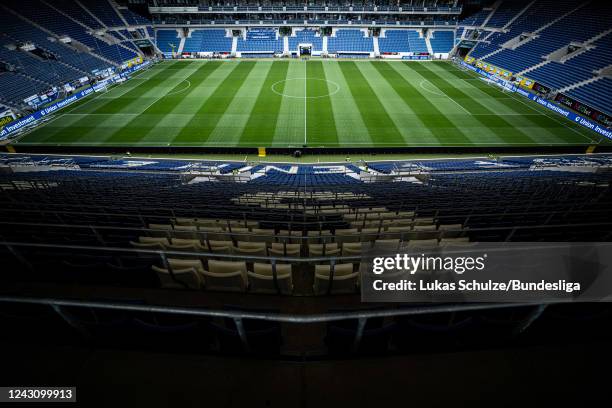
(208, 40)
(442, 41)
(560, 30)
(477, 19)
(579, 26)
(505, 12)
(60, 25)
(78, 13)
(16, 87)
(104, 12)
(595, 94)
(66, 60)
(349, 41)
(394, 41)
(166, 40)
(133, 18)
(402, 41)
(262, 40)
(216, 265)
(537, 16)
(306, 37)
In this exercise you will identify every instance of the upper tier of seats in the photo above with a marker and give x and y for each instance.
(539, 14)
(45, 25)
(506, 11)
(56, 22)
(69, 63)
(476, 19)
(103, 10)
(554, 26)
(579, 26)
(133, 18)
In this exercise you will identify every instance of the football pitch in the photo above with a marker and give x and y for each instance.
(315, 103)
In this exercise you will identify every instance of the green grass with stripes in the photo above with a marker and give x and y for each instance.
(318, 103)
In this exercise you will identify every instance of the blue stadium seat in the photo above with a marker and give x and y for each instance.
(442, 41)
(351, 41)
(306, 37)
(208, 40)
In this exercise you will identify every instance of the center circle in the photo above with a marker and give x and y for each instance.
(294, 88)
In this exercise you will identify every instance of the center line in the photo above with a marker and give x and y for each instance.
(305, 100)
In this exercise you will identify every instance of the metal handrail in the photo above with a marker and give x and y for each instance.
(230, 234)
(296, 222)
(199, 254)
(278, 317)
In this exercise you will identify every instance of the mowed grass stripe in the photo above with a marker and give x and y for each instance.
(89, 104)
(380, 126)
(142, 124)
(118, 105)
(96, 128)
(78, 125)
(290, 122)
(183, 112)
(498, 125)
(95, 125)
(349, 123)
(438, 124)
(564, 131)
(232, 123)
(261, 125)
(320, 123)
(201, 125)
(485, 89)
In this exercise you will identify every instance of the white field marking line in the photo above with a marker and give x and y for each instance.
(506, 114)
(101, 114)
(100, 95)
(128, 114)
(305, 102)
(442, 94)
(40, 126)
(181, 90)
(60, 114)
(542, 113)
(565, 125)
(273, 88)
(164, 95)
(294, 146)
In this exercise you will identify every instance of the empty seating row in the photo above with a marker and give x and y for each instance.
(207, 40)
(264, 278)
(347, 245)
(350, 40)
(306, 37)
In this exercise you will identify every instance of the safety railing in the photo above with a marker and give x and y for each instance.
(238, 316)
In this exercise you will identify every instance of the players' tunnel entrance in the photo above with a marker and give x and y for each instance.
(306, 49)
